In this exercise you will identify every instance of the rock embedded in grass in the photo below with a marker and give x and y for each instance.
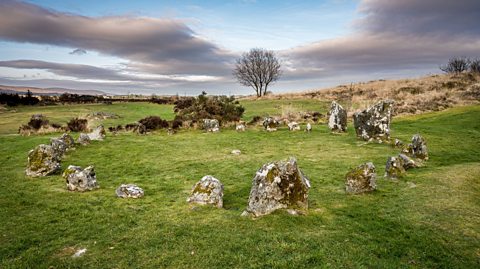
(270, 124)
(207, 191)
(83, 139)
(278, 185)
(129, 191)
(374, 122)
(418, 148)
(236, 152)
(98, 133)
(211, 125)
(361, 179)
(337, 120)
(293, 126)
(79, 179)
(62, 144)
(308, 129)
(240, 127)
(42, 161)
(394, 168)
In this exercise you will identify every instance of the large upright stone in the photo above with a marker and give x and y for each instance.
(79, 179)
(211, 125)
(62, 144)
(361, 179)
(278, 185)
(418, 148)
(98, 133)
(337, 120)
(374, 122)
(42, 161)
(208, 191)
(270, 124)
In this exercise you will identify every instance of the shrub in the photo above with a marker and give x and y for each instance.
(77, 125)
(456, 65)
(37, 121)
(177, 123)
(475, 66)
(154, 123)
(255, 120)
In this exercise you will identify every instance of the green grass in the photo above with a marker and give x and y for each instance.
(433, 225)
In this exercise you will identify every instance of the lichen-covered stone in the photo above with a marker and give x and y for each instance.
(361, 179)
(293, 126)
(337, 120)
(270, 124)
(83, 139)
(240, 127)
(407, 162)
(79, 179)
(374, 122)
(418, 148)
(129, 191)
(98, 133)
(308, 129)
(62, 144)
(211, 125)
(42, 161)
(100, 115)
(278, 185)
(208, 191)
(394, 168)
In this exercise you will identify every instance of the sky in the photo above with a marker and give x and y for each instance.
(186, 47)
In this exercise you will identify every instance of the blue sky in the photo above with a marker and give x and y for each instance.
(168, 47)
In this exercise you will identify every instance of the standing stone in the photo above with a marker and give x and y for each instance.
(270, 124)
(278, 185)
(293, 126)
(361, 179)
(62, 144)
(374, 122)
(83, 139)
(129, 191)
(98, 133)
(208, 191)
(394, 168)
(337, 121)
(80, 180)
(407, 162)
(42, 161)
(418, 148)
(211, 125)
(308, 129)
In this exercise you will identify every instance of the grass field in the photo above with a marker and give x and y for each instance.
(428, 219)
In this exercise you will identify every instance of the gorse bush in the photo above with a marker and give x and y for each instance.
(154, 123)
(37, 121)
(77, 125)
(222, 108)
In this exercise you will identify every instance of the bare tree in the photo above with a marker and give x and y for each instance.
(475, 66)
(257, 68)
(456, 65)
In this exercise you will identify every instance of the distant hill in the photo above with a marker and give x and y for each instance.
(46, 91)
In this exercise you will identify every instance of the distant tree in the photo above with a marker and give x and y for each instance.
(475, 66)
(456, 65)
(257, 68)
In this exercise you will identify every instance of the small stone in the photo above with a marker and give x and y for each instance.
(374, 122)
(211, 125)
(337, 121)
(270, 124)
(83, 139)
(42, 161)
(240, 127)
(278, 185)
(293, 126)
(417, 149)
(407, 162)
(208, 191)
(308, 129)
(394, 168)
(79, 253)
(411, 185)
(129, 191)
(80, 180)
(98, 133)
(361, 179)
(236, 152)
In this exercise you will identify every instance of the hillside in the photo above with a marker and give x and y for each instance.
(46, 91)
(412, 96)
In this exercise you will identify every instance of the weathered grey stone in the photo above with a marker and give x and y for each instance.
(394, 168)
(98, 133)
(293, 126)
(374, 122)
(79, 179)
(208, 191)
(337, 120)
(236, 152)
(100, 115)
(418, 148)
(129, 191)
(83, 139)
(270, 124)
(240, 127)
(42, 161)
(211, 125)
(62, 144)
(361, 179)
(278, 185)
(407, 162)
(308, 129)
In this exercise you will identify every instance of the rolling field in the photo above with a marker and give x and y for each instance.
(428, 219)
